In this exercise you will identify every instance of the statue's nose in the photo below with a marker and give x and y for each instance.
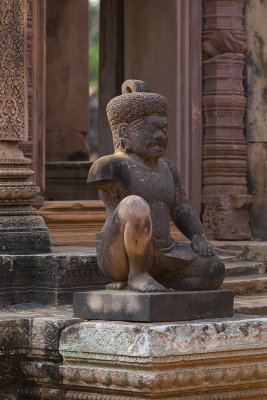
(160, 136)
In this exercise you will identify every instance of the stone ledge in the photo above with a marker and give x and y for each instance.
(55, 357)
(49, 278)
(210, 359)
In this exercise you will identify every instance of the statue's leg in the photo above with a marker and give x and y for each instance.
(204, 273)
(123, 253)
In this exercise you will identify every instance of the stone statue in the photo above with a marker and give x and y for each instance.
(142, 190)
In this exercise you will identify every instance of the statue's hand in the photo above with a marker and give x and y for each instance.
(201, 245)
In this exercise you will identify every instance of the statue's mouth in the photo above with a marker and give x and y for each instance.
(158, 148)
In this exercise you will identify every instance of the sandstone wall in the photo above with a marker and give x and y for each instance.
(67, 80)
(256, 118)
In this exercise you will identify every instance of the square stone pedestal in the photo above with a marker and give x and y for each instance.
(127, 305)
(215, 359)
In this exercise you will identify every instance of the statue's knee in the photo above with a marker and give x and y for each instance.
(215, 270)
(134, 208)
(211, 272)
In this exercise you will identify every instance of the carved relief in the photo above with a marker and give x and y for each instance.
(12, 62)
(225, 197)
(171, 380)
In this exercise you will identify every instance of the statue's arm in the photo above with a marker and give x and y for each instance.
(186, 219)
(102, 173)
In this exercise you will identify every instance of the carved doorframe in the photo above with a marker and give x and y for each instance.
(34, 147)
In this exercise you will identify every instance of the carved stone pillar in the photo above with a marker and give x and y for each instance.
(34, 146)
(22, 230)
(225, 199)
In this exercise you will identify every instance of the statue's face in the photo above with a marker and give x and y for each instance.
(147, 137)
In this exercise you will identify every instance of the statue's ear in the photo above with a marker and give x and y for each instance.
(123, 136)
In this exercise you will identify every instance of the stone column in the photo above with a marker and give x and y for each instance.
(225, 199)
(34, 147)
(22, 230)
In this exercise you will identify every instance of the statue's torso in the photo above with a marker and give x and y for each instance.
(125, 176)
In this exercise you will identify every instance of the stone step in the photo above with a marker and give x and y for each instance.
(252, 305)
(248, 250)
(240, 268)
(244, 285)
(231, 254)
(228, 259)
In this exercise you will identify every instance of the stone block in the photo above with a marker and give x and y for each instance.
(226, 217)
(126, 305)
(198, 360)
(233, 224)
(48, 278)
(257, 251)
(14, 342)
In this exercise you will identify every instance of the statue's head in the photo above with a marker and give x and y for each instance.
(138, 120)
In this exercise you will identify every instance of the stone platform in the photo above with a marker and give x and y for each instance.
(126, 305)
(49, 278)
(48, 354)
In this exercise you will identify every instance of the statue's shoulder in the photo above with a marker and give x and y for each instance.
(105, 168)
(174, 171)
(170, 165)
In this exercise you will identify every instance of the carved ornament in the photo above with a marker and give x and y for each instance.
(12, 62)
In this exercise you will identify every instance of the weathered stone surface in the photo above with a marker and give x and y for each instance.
(222, 359)
(240, 268)
(226, 224)
(63, 357)
(23, 234)
(252, 305)
(126, 305)
(39, 370)
(14, 342)
(257, 180)
(257, 251)
(48, 278)
(250, 284)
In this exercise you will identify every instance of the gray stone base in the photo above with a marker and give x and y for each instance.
(200, 360)
(48, 354)
(48, 278)
(23, 234)
(126, 305)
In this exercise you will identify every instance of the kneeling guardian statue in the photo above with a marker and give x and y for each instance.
(142, 190)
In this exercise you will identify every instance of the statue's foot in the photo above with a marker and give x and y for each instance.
(117, 285)
(144, 283)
